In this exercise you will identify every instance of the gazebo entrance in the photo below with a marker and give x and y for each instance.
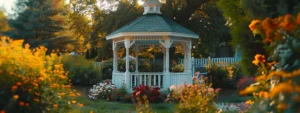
(152, 29)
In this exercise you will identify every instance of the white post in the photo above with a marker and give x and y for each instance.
(189, 57)
(127, 74)
(115, 59)
(164, 59)
(185, 59)
(167, 71)
(136, 59)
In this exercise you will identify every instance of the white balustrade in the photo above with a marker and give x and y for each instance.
(149, 79)
(181, 78)
(119, 79)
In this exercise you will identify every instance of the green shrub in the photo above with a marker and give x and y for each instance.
(225, 77)
(31, 81)
(81, 70)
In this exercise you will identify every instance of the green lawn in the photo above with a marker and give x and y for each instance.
(103, 106)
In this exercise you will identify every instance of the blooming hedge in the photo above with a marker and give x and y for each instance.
(278, 86)
(152, 94)
(102, 90)
(31, 81)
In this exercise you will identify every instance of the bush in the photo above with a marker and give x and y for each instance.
(102, 90)
(152, 94)
(225, 77)
(245, 82)
(195, 98)
(31, 81)
(81, 70)
(121, 95)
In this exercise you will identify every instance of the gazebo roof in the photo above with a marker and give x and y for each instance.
(156, 25)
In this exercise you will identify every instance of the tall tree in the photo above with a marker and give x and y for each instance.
(3, 23)
(38, 21)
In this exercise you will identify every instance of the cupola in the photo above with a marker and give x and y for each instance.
(152, 7)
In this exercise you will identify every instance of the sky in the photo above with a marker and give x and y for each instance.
(7, 5)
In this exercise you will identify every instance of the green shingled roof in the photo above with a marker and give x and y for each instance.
(153, 23)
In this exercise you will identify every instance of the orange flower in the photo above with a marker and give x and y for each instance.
(21, 103)
(283, 106)
(285, 87)
(14, 88)
(2, 111)
(91, 112)
(78, 94)
(80, 105)
(55, 106)
(289, 23)
(73, 102)
(259, 58)
(19, 83)
(248, 90)
(263, 94)
(261, 78)
(36, 100)
(16, 97)
(269, 25)
(27, 104)
(298, 18)
(254, 24)
(249, 102)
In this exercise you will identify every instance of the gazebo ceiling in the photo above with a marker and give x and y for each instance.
(152, 24)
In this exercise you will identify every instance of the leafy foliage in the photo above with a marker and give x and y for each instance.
(32, 81)
(81, 71)
(152, 94)
(277, 89)
(239, 14)
(193, 98)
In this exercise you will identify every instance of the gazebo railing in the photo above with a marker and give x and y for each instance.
(149, 79)
(180, 78)
(118, 79)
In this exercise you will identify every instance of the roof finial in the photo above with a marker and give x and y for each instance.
(152, 7)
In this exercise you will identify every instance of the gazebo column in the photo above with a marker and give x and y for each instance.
(127, 73)
(164, 59)
(115, 62)
(115, 59)
(185, 58)
(136, 58)
(189, 56)
(167, 44)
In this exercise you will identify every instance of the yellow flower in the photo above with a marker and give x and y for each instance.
(73, 102)
(248, 90)
(285, 87)
(259, 59)
(254, 24)
(283, 106)
(16, 97)
(249, 102)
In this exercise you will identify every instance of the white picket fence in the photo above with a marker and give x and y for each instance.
(197, 62)
(202, 62)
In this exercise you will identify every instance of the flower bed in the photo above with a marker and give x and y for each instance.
(102, 90)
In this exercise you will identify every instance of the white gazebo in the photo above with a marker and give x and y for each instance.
(152, 29)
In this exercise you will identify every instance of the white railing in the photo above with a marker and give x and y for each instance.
(97, 64)
(118, 79)
(149, 79)
(180, 78)
(202, 62)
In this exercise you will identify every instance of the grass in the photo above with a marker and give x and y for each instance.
(104, 106)
(232, 97)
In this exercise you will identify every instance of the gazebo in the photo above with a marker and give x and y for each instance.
(152, 29)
